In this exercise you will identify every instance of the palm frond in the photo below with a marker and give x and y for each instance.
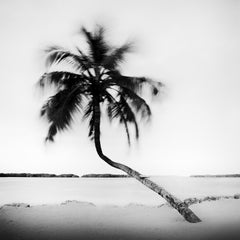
(91, 127)
(88, 113)
(61, 78)
(59, 110)
(129, 115)
(85, 60)
(135, 84)
(56, 54)
(52, 131)
(117, 56)
(98, 48)
(88, 110)
(114, 110)
(122, 110)
(137, 102)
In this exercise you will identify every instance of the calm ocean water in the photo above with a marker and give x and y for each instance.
(114, 191)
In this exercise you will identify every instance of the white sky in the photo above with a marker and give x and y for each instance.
(191, 46)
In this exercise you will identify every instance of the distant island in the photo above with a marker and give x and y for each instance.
(217, 175)
(38, 175)
(105, 175)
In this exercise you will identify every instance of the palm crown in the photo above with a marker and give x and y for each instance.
(95, 76)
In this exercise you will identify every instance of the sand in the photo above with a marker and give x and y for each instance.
(83, 220)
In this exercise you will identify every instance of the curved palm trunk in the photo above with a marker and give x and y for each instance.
(173, 201)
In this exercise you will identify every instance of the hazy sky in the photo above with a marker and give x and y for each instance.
(191, 46)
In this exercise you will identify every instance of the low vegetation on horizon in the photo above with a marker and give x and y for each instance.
(105, 175)
(100, 175)
(92, 175)
(217, 175)
(38, 175)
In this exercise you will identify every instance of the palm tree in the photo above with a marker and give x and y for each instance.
(93, 85)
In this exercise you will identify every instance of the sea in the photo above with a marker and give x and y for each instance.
(110, 191)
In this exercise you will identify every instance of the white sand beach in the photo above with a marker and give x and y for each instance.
(115, 209)
(79, 220)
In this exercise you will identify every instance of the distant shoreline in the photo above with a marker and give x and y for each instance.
(49, 175)
(218, 175)
(105, 175)
(42, 175)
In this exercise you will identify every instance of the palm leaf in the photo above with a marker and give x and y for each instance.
(129, 115)
(98, 48)
(114, 110)
(117, 56)
(59, 110)
(88, 113)
(56, 55)
(138, 103)
(121, 109)
(62, 78)
(135, 84)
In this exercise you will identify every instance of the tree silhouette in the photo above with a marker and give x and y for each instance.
(96, 86)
